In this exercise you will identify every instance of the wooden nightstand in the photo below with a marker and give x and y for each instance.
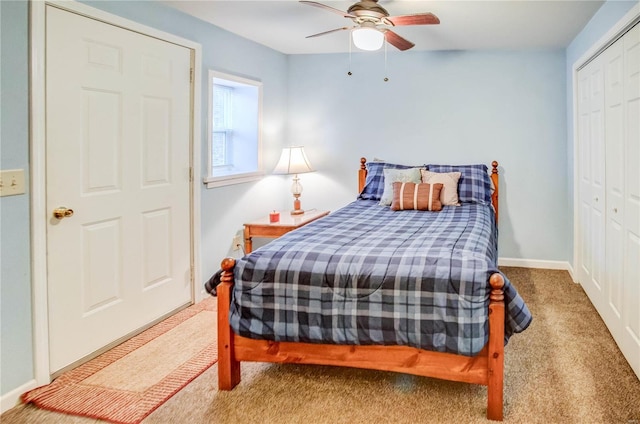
(288, 222)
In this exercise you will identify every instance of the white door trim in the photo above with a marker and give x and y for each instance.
(607, 38)
(39, 213)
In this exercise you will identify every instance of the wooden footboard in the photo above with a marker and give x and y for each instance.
(486, 368)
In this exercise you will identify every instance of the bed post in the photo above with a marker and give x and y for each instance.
(494, 195)
(362, 174)
(496, 348)
(228, 367)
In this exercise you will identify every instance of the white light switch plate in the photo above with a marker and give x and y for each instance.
(12, 182)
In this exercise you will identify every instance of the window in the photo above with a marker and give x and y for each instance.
(222, 126)
(235, 110)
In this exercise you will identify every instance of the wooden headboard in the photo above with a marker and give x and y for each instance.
(362, 177)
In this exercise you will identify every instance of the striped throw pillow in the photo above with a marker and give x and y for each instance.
(421, 196)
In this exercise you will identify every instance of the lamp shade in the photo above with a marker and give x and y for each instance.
(366, 38)
(293, 161)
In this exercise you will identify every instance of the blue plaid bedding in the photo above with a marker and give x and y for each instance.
(368, 275)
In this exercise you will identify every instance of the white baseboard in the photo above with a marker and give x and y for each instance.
(536, 263)
(11, 399)
(572, 273)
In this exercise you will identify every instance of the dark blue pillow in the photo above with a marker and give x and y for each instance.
(374, 184)
(474, 185)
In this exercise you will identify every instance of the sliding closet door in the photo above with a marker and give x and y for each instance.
(608, 212)
(630, 340)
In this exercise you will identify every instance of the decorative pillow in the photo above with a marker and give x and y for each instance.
(411, 175)
(374, 184)
(421, 196)
(474, 185)
(449, 181)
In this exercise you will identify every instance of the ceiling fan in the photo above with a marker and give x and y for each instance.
(370, 18)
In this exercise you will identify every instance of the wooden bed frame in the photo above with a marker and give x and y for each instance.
(487, 368)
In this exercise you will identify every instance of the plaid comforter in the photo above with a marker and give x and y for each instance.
(369, 275)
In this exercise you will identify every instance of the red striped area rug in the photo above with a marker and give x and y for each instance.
(127, 383)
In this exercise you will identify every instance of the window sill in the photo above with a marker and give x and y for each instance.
(213, 182)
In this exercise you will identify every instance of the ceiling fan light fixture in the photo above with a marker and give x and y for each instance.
(367, 38)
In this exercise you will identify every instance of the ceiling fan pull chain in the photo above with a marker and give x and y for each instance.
(385, 63)
(350, 41)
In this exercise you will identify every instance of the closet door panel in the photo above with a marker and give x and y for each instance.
(632, 103)
(630, 342)
(596, 192)
(614, 182)
(584, 176)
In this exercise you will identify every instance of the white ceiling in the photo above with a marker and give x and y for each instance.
(465, 25)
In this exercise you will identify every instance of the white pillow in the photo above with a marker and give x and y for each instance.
(449, 181)
(409, 175)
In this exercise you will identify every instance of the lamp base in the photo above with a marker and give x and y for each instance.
(296, 206)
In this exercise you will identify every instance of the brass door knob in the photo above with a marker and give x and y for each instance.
(62, 212)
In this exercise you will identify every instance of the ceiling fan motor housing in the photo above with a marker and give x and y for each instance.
(368, 10)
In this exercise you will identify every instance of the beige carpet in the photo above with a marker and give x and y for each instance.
(565, 368)
(127, 383)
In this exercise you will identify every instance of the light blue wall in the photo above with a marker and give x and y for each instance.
(16, 347)
(604, 19)
(443, 107)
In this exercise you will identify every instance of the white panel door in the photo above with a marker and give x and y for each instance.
(630, 340)
(592, 174)
(118, 155)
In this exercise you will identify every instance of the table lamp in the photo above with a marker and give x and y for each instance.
(294, 161)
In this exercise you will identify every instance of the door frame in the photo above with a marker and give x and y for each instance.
(37, 159)
(620, 27)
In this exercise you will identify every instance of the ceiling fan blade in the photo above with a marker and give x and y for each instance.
(396, 41)
(328, 32)
(417, 19)
(329, 8)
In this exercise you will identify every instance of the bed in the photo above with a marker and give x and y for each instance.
(415, 292)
